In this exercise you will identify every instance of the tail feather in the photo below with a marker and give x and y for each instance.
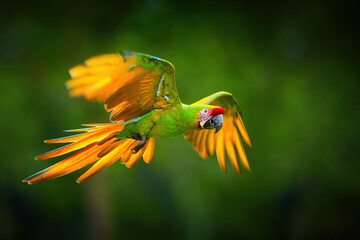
(126, 155)
(82, 140)
(106, 150)
(103, 162)
(87, 139)
(108, 137)
(65, 166)
(149, 151)
(99, 145)
(67, 139)
(81, 129)
(135, 157)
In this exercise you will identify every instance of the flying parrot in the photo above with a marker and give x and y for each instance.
(140, 92)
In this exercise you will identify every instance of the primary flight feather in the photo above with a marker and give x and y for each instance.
(140, 92)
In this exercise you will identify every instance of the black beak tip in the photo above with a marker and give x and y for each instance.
(218, 122)
(217, 129)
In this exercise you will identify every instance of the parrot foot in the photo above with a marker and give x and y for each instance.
(140, 145)
(136, 136)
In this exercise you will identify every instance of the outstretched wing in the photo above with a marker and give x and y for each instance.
(131, 84)
(206, 142)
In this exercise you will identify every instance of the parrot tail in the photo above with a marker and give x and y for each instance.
(99, 145)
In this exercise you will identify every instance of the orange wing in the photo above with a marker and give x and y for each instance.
(131, 84)
(206, 142)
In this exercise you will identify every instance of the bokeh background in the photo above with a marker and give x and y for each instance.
(293, 67)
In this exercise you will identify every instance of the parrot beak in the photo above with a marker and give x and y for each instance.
(214, 122)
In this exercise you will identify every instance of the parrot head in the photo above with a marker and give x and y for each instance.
(211, 118)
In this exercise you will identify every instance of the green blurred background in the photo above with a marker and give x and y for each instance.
(293, 67)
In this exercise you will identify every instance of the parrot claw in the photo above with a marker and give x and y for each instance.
(140, 145)
(136, 136)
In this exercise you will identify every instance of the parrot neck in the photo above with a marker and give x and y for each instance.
(190, 116)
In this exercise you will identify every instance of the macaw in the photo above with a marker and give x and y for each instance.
(140, 92)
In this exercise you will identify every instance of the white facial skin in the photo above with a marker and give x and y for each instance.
(204, 115)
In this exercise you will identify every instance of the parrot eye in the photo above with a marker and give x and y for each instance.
(205, 111)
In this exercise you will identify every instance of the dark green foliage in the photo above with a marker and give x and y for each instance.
(294, 69)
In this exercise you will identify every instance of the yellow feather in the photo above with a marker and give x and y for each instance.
(96, 90)
(91, 129)
(107, 149)
(87, 139)
(242, 130)
(134, 158)
(220, 151)
(197, 140)
(202, 149)
(75, 92)
(104, 59)
(101, 69)
(240, 149)
(211, 142)
(82, 160)
(71, 147)
(230, 148)
(149, 151)
(188, 135)
(73, 138)
(81, 81)
(126, 150)
(77, 71)
(104, 162)
(126, 156)
(69, 164)
(119, 109)
(192, 136)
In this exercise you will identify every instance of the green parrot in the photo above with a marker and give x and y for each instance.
(140, 92)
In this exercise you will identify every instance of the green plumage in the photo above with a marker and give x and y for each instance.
(169, 117)
(140, 92)
(166, 123)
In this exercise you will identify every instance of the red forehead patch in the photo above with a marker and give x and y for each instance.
(217, 111)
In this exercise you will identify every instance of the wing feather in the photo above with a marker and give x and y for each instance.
(211, 142)
(240, 125)
(130, 84)
(230, 148)
(202, 146)
(220, 151)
